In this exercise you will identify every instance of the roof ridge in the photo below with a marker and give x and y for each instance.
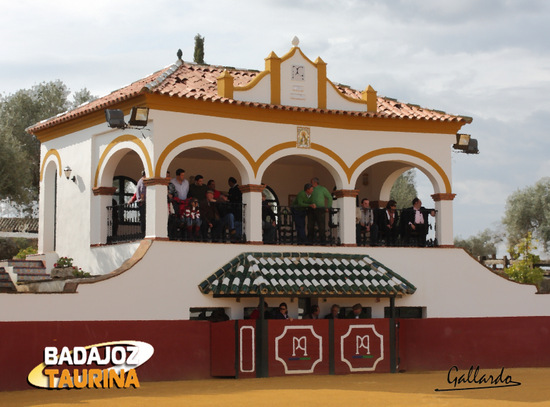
(161, 78)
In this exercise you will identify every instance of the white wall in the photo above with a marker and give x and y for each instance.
(164, 285)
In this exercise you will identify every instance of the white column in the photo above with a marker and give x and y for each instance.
(346, 201)
(252, 197)
(444, 218)
(103, 197)
(156, 225)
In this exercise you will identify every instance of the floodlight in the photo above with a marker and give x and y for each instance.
(139, 116)
(466, 144)
(115, 118)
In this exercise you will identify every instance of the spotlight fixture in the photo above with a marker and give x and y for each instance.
(138, 118)
(466, 144)
(115, 118)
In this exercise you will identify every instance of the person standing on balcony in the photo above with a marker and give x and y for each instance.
(415, 222)
(389, 222)
(302, 204)
(210, 217)
(141, 192)
(211, 185)
(179, 186)
(322, 201)
(269, 222)
(365, 224)
(198, 189)
(178, 189)
(227, 217)
(236, 199)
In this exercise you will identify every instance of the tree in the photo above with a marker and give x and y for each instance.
(523, 270)
(528, 211)
(482, 244)
(403, 190)
(20, 151)
(80, 97)
(198, 55)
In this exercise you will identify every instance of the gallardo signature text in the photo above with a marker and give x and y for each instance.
(460, 381)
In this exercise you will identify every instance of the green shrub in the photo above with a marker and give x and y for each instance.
(23, 253)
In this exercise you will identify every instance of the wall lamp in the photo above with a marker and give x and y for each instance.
(138, 118)
(67, 170)
(466, 144)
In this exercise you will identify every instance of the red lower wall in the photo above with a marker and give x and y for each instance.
(182, 348)
(440, 343)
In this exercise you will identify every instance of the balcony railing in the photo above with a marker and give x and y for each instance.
(281, 225)
(400, 235)
(225, 224)
(125, 223)
(308, 226)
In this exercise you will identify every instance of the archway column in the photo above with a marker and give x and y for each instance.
(252, 198)
(103, 197)
(444, 218)
(346, 202)
(156, 215)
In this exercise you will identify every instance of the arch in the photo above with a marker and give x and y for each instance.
(133, 143)
(48, 203)
(55, 153)
(427, 165)
(328, 158)
(236, 153)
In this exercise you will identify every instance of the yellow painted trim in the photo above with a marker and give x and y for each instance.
(291, 53)
(225, 85)
(273, 65)
(350, 170)
(348, 98)
(292, 145)
(321, 83)
(300, 118)
(252, 83)
(55, 153)
(118, 140)
(405, 151)
(202, 136)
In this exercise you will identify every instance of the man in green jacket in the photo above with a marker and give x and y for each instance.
(322, 201)
(302, 204)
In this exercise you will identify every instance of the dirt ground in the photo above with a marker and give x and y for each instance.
(401, 389)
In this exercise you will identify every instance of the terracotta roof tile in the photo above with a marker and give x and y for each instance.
(186, 80)
(28, 225)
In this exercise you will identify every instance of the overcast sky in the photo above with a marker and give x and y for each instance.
(486, 59)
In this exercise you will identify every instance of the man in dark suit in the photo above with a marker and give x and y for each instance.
(415, 222)
(388, 223)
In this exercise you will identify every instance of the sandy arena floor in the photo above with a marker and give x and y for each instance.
(403, 389)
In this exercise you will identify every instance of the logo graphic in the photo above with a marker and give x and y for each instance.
(362, 348)
(360, 344)
(299, 343)
(299, 349)
(104, 365)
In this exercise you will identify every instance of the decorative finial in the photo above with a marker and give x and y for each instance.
(295, 41)
(179, 54)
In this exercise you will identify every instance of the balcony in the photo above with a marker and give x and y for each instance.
(279, 227)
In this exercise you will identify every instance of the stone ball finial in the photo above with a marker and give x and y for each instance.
(295, 41)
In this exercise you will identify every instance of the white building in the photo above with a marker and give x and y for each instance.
(273, 131)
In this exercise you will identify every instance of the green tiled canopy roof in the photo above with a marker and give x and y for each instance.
(311, 274)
